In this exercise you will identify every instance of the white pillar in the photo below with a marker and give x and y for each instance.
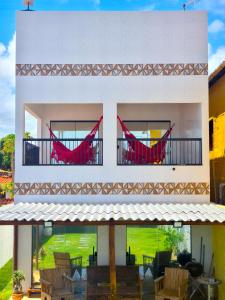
(109, 135)
(121, 244)
(103, 245)
(19, 132)
(25, 253)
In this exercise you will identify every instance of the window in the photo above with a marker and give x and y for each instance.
(211, 133)
(74, 129)
(147, 240)
(75, 240)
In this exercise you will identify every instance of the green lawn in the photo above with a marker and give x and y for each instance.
(6, 281)
(142, 240)
(77, 244)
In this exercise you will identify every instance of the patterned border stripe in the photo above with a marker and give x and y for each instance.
(171, 188)
(111, 69)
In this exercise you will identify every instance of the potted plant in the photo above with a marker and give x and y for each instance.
(17, 278)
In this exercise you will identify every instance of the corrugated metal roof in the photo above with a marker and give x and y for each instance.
(116, 211)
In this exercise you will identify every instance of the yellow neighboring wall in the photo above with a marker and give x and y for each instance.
(217, 116)
(219, 256)
(217, 165)
(218, 137)
(217, 95)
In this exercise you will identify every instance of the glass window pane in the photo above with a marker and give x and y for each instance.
(75, 240)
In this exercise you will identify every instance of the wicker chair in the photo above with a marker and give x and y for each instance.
(173, 285)
(55, 285)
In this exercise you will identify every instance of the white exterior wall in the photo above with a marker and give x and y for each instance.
(111, 37)
(25, 253)
(204, 231)
(6, 244)
(103, 245)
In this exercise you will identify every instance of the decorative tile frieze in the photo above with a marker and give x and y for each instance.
(131, 188)
(111, 69)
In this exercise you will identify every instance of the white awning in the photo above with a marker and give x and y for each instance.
(124, 212)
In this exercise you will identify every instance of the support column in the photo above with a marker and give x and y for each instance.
(15, 247)
(110, 135)
(103, 245)
(112, 260)
(120, 244)
(25, 253)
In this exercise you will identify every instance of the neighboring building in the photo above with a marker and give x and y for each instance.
(217, 133)
(150, 68)
(217, 162)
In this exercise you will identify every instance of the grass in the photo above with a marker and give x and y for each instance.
(6, 281)
(142, 240)
(77, 244)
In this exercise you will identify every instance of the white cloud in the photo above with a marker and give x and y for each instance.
(216, 26)
(7, 86)
(216, 58)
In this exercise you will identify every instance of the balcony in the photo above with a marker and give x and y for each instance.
(39, 152)
(178, 151)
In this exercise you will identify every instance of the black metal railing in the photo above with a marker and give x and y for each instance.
(178, 151)
(37, 152)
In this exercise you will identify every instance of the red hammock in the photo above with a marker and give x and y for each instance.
(139, 153)
(83, 154)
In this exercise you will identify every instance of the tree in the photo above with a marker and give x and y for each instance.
(7, 146)
(7, 149)
(7, 188)
(173, 238)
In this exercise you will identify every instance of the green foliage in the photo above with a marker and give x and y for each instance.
(17, 278)
(7, 188)
(173, 237)
(8, 144)
(27, 135)
(7, 148)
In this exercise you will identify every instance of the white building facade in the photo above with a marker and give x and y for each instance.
(150, 68)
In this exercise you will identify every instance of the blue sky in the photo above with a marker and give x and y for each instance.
(216, 13)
